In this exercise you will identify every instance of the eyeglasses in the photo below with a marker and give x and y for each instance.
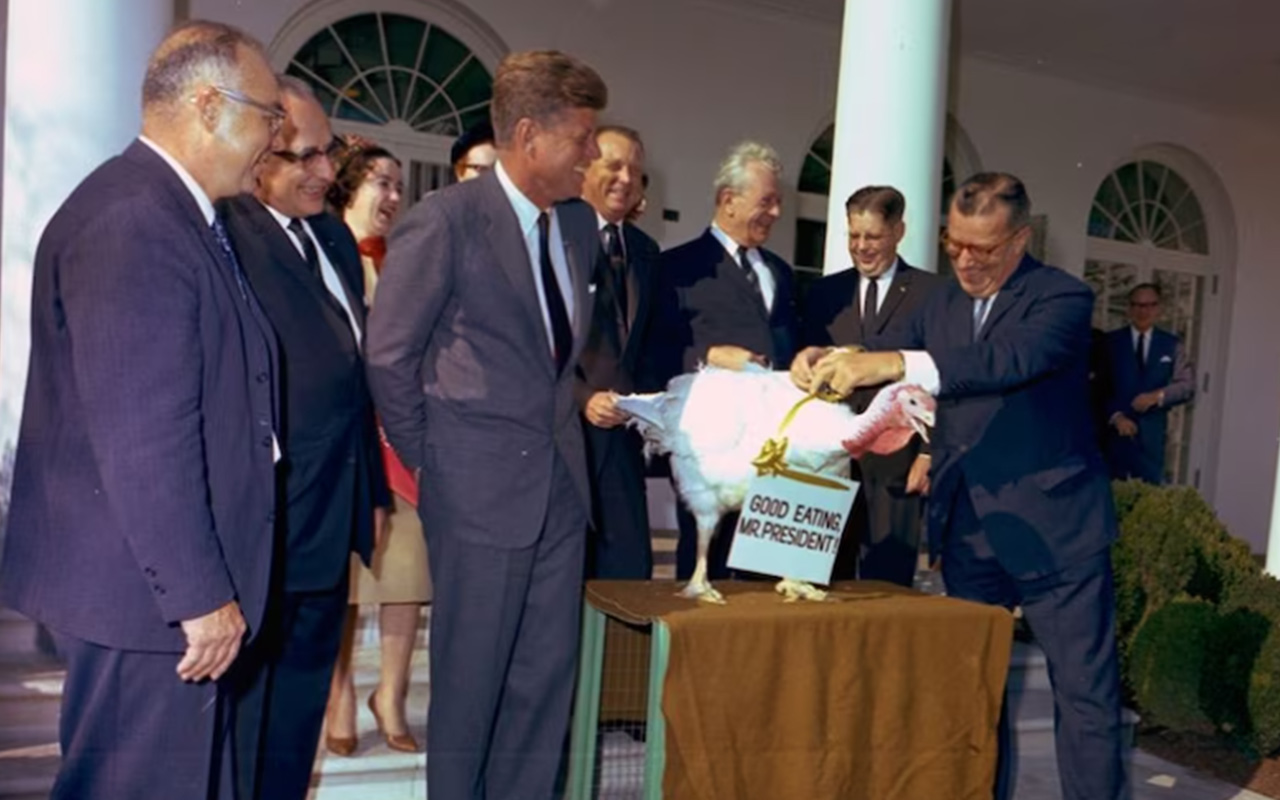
(310, 158)
(474, 167)
(1151, 304)
(273, 114)
(955, 249)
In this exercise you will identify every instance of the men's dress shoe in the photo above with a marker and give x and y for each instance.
(404, 742)
(340, 745)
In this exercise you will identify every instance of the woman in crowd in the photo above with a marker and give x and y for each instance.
(367, 194)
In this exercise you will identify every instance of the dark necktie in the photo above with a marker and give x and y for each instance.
(561, 333)
(617, 271)
(1141, 351)
(224, 242)
(308, 246)
(869, 306)
(750, 273)
(980, 306)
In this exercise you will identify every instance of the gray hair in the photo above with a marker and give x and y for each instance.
(198, 53)
(732, 174)
(296, 87)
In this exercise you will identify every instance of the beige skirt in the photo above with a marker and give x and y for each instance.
(399, 573)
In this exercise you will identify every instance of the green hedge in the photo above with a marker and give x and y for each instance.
(1198, 622)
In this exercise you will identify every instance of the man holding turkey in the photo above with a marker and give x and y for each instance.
(1020, 510)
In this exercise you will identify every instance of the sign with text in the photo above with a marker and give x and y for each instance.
(790, 525)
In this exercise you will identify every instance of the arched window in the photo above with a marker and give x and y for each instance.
(1146, 225)
(411, 77)
(376, 68)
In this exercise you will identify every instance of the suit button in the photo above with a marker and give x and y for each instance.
(266, 441)
(158, 588)
(264, 422)
(524, 453)
(262, 377)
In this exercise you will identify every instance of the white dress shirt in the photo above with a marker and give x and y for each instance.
(761, 269)
(527, 215)
(330, 275)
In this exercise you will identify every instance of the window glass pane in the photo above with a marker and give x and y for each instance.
(348, 110)
(443, 55)
(380, 82)
(322, 57)
(363, 39)
(438, 118)
(471, 86)
(326, 96)
(404, 38)
(811, 237)
(475, 115)
(815, 177)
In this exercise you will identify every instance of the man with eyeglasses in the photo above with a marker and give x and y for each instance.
(1150, 374)
(473, 153)
(141, 517)
(304, 266)
(1020, 509)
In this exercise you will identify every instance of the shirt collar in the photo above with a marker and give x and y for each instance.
(284, 221)
(526, 212)
(729, 244)
(202, 199)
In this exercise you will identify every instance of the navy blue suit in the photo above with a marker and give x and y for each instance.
(1020, 508)
(706, 301)
(1165, 367)
(143, 490)
(329, 481)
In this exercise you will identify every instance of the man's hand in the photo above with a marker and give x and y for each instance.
(381, 526)
(213, 641)
(918, 475)
(1124, 426)
(1147, 400)
(842, 371)
(802, 366)
(730, 356)
(602, 410)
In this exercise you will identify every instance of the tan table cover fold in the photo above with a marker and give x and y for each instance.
(884, 694)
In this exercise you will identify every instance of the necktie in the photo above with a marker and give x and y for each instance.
(750, 273)
(1141, 351)
(617, 271)
(979, 314)
(561, 333)
(224, 242)
(869, 307)
(308, 246)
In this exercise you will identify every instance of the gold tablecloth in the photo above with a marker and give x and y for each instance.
(883, 694)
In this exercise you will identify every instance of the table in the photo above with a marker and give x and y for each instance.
(883, 693)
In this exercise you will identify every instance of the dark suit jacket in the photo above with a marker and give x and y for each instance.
(1013, 425)
(1167, 368)
(460, 365)
(708, 301)
(331, 475)
(143, 487)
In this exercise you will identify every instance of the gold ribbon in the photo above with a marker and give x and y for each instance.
(773, 456)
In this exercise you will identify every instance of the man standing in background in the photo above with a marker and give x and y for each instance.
(612, 361)
(853, 307)
(1150, 374)
(304, 267)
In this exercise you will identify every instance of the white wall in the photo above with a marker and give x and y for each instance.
(695, 77)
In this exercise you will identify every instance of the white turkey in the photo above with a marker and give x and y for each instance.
(715, 422)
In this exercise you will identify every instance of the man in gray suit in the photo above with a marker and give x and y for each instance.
(484, 303)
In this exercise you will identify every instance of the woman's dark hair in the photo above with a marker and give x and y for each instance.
(355, 160)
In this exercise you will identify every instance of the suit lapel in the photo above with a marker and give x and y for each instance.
(898, 289)
(354, 294)
(1006, 298)
(509, 251)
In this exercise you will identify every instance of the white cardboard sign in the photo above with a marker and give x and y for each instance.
(791, 528)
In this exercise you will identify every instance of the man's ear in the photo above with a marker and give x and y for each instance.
(523, 136)
(209, 105)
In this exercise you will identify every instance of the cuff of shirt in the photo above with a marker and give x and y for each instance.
(920, 370)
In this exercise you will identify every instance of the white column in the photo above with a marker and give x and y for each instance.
(1273, 534)
(890, 118)
(73, 98)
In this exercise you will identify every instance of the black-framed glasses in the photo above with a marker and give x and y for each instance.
(955, 249)
(273, 114)
(310, 157)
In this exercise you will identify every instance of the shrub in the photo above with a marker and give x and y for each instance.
(1167, 660)
(1244, 659)
(1155, 557)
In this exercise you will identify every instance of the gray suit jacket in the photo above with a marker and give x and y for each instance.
(461, 368)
